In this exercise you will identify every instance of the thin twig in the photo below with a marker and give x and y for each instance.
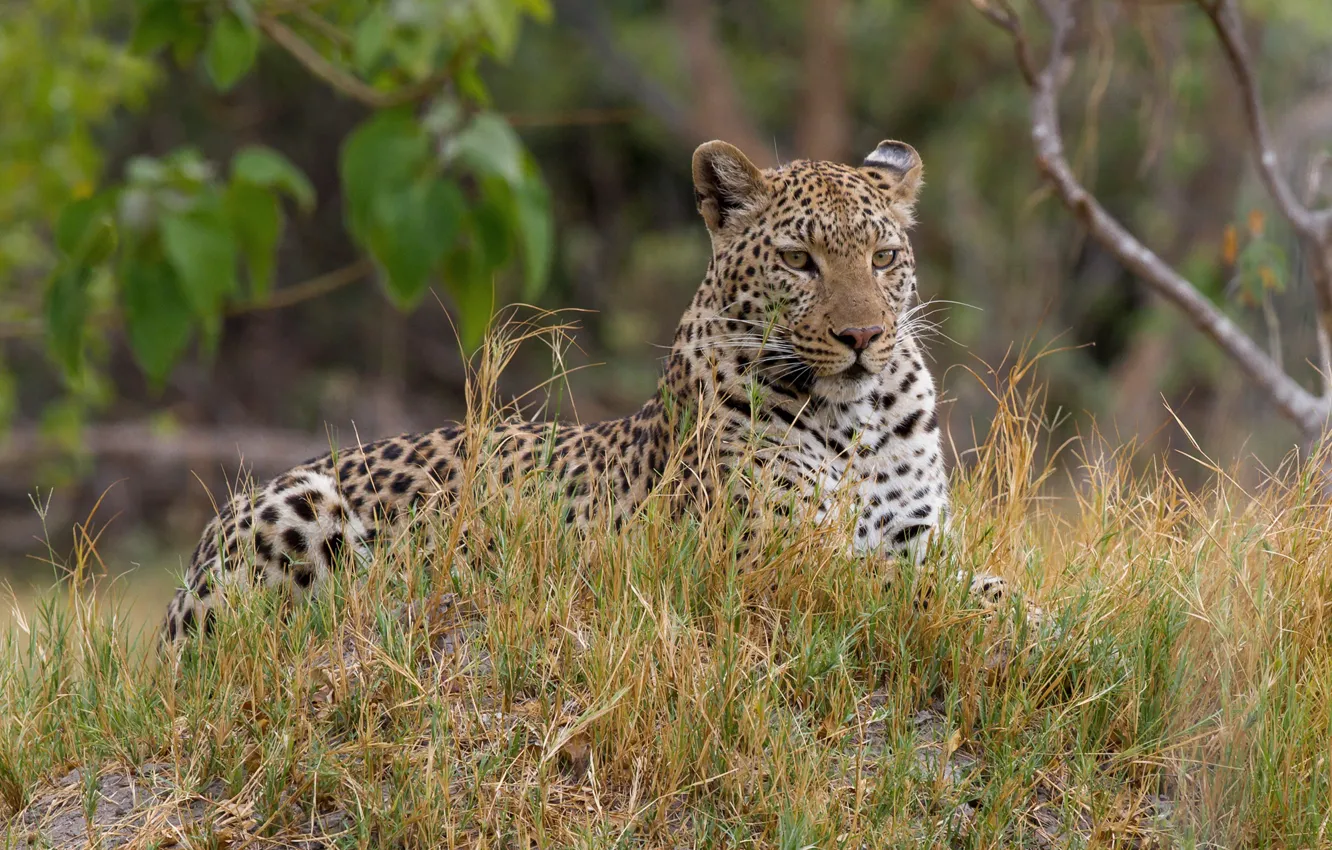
(339, 79)
(1002, 15)
(288, 296)
(321, 25)
(308, 290)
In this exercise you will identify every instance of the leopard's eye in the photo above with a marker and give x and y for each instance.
(885, 259)
(801, 261)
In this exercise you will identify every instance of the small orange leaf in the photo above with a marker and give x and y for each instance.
(1256, 223)
(1268, 277)
(1230, 245)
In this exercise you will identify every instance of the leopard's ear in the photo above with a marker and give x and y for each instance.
(895, 167)
(727, 186)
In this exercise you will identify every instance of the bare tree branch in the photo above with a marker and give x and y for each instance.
(1225, 18)
(1314, 229)
(1001, 14)
(1299, 405)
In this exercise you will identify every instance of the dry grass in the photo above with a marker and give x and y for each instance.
(665, 686)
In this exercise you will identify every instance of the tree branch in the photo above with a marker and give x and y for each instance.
(1314, 229)
(315, 287)
(1296, 403)
(1225, 18)
(340, 80)
(287, 296)
(1001, 14)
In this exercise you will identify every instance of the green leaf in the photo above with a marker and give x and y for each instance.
(256, 221)
(536, 231)
(469, 84)
(490, 229)
(383, 155)
(473, 289)
(158, 316)
(159, 24)
(230, 51)
(409, 232)
(67, 315)
(501, 22)
(74, 224)
(371, 40)
(202, 249)
(261, 166)
(489, 146)
(85, 232)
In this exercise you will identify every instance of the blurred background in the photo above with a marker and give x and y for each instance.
(610, 97)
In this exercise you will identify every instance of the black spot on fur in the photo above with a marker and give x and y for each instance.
(332, 547)
(911, 532)
(908, 423)
(301, 504)
(294, 542)
(263, 547)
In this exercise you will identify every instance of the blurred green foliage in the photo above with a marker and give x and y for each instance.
(434, 184)
(60, 80)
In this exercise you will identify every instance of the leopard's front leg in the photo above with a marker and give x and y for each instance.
(987, 591)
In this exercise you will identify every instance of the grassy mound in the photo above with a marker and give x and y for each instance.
(667, 685)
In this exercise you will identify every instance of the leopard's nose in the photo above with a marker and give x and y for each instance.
(858, 339)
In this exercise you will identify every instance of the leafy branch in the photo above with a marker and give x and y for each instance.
(288, 296)
(346, 83)
(437, 188)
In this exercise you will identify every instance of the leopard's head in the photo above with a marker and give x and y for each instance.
(811, 260)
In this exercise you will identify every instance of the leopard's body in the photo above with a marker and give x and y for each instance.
(797, 341)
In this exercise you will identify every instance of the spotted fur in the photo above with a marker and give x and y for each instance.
(798, 340)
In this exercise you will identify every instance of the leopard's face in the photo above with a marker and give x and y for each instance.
(816, 256)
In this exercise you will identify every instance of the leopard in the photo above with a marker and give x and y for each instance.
(800, 339)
